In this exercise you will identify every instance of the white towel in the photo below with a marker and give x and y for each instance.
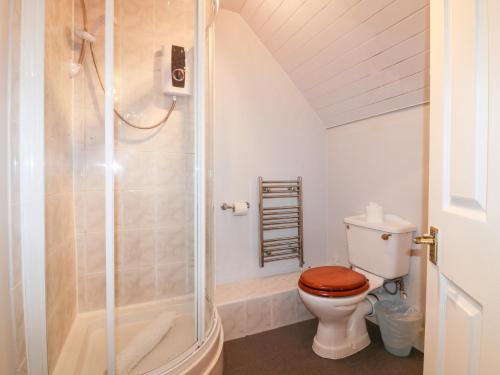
(144, 342)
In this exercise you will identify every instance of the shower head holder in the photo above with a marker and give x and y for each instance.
(85, 35)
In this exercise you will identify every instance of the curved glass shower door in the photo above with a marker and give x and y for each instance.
(131, 287)
(155, 186)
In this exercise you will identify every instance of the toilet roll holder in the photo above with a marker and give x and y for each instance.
(230, 206)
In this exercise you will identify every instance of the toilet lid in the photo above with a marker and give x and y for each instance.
(333, 279)
(339, 293)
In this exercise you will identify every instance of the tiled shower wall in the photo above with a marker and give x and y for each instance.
(154, 168)
(60, 259)
(60, 244)
(15, 276)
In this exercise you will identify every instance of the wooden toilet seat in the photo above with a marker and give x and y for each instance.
(333, 281)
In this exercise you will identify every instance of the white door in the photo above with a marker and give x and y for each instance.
(463, 290)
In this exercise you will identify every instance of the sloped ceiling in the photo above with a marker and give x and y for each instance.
(352, 59)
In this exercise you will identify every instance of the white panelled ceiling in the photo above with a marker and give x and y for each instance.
(352, 59)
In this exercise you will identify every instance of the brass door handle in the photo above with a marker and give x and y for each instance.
(431, 240)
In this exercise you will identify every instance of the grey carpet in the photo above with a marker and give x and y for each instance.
(287, 351)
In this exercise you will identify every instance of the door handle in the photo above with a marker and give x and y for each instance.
(431, 240)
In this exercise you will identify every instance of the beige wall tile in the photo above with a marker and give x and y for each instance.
(138, 209)
(171, 244)
(258, 315)
(95, 252)
(233, 318)
(154, 206)
(95, 292)
(20, 333)
(94, 214)
(135, 286)
(136, 248)
(15, 251)
(60, 199)
(172, 280)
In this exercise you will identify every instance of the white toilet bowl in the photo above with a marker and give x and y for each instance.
(342, 326)
(340, 298)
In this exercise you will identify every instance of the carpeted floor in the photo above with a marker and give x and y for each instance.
(287, 351)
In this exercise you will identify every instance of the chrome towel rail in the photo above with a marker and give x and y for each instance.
(277, 223)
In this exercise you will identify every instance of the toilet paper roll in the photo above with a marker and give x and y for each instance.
(374, 213)
(240, 208)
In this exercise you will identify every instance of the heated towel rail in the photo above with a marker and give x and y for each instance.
(281, 222)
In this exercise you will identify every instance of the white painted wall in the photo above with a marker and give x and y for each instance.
(384, 160)
(7, 357)
(263, 126)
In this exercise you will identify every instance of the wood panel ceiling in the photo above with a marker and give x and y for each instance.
(352, 59)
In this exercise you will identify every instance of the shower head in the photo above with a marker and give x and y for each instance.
(87, 35)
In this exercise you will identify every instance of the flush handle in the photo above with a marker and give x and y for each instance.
(430, 239)
(385, 236)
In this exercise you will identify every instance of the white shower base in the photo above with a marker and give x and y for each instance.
(84, 352)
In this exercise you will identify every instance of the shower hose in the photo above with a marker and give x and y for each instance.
(81, 59)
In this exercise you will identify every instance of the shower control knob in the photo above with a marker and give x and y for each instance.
(178, 75)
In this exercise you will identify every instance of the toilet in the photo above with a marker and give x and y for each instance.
(340, 296)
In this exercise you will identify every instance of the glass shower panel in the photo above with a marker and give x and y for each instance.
(158, 197)
(209, 175)
(155, 187)
(74, 190)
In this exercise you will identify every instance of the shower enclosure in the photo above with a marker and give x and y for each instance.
(120, 251)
